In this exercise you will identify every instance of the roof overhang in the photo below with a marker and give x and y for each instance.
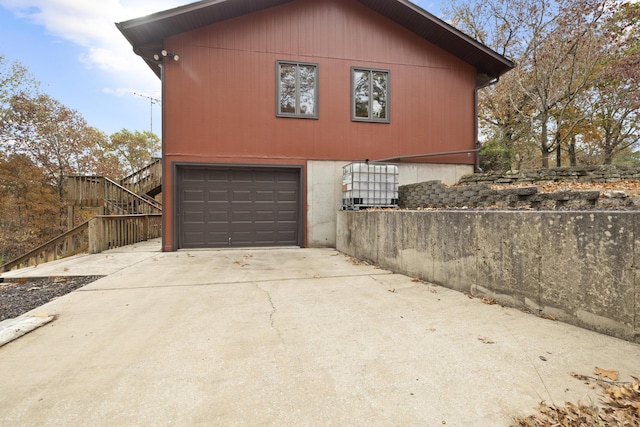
(489, 64)
(147, 34)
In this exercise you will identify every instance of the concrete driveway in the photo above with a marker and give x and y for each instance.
(274, 337)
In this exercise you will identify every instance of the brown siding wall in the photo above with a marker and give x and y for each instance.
(220, 98)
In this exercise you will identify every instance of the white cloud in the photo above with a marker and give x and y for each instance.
(90, 25)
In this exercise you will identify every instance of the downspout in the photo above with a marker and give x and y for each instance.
(162, 178)
(477, 124)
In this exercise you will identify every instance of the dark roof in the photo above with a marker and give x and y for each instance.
(147, 34)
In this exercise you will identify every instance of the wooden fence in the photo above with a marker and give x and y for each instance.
(96, 235)
(113, 231)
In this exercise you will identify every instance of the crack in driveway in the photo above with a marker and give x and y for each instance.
(272, 314)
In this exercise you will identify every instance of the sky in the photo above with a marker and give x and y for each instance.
(73, 48)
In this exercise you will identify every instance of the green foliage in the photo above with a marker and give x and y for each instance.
(627, 157)
(495, 157)
(131, 150)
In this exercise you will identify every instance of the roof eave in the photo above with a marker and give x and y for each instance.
(147, 34)
(489, 64)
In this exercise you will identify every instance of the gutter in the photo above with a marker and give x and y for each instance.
(414, 156)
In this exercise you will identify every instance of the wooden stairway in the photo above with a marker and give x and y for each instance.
(128, 214)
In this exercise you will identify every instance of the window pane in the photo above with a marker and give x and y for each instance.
(287, 88)
(361, 93)
(379, 104)
(307, 90)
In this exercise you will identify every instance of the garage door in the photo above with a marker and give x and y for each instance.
(222, 207)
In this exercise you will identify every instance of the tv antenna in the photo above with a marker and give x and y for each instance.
(152, 101)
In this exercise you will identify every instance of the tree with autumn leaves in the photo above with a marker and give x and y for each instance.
(575, 93)
(41, 142)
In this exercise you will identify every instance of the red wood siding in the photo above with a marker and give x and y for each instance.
(220, 97)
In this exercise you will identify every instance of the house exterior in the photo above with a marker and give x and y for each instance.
(265, 101)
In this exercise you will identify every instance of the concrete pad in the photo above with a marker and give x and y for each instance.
(104, 263)
(290, 337)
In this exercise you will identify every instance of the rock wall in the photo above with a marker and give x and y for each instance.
(434, 194)
(475, 190)
(602, 173)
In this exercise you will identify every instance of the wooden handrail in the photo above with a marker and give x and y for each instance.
(146, 179)
(98, 191)
(96, 235)
(67, 244)
(138, 204)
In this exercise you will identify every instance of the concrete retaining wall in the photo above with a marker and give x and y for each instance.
(579, 267)
(324, 192)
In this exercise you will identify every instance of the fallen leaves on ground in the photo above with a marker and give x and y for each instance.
(356, 261)
(486, 300)
(631, 187)
(620, 406)
(607, 373)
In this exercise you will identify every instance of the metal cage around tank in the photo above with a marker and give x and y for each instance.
(369, 185)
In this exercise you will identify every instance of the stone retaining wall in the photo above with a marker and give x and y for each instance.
(474, 191)
(602, 173)
(434, 194)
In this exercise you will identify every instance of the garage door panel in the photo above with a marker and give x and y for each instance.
(266, 177)
(194, 217)
(238, 176)
(287, 236)
(287, 216)
(218, 196)
(287, 196)
(265, 237)
(241, 196)
(265, 196)
(218, 217)
(217, 238)
(195, 237)
(265, 217)
(217, 175)
(251, 206)
(290, 177)
(194, 196)
(241, 217)
(194, 174)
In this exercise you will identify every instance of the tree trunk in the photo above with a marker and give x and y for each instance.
(544, 142)
(545, 159)
(572, 152)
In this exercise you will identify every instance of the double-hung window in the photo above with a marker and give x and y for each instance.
(297, 90)
(370, 95)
